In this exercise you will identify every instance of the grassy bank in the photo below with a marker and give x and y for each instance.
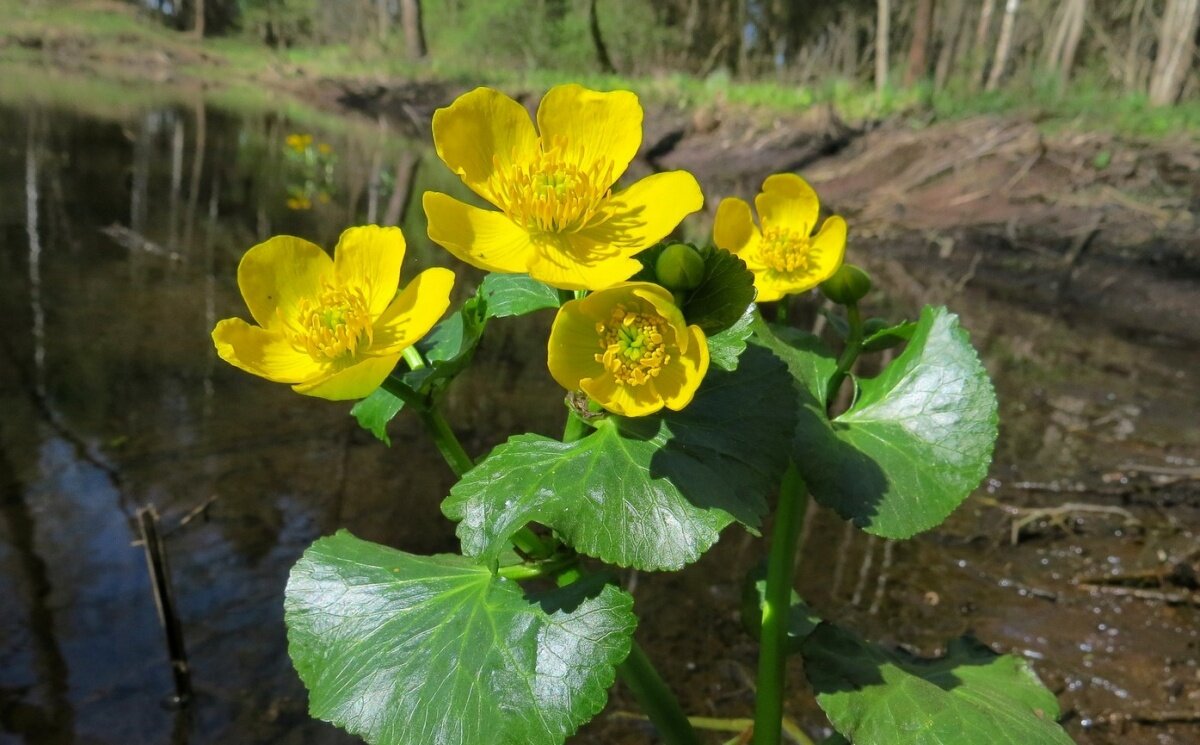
(112, 41)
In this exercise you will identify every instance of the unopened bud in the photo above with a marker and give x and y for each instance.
(847, 286)
(679, 267)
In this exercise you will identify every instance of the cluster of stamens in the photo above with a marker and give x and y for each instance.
(787, 251)
(336, 323)
(632, 341)
(550, 194)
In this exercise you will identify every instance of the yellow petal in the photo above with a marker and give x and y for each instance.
(276, 274)
(678, 381)
(572, 347)
(574, 262)
(267, 354)
(829, 246)
(596, 128)
(787, 201)
(481, 131)
(733, 228)
(620, 399)
(647, 211)
(356, 381)
(664, 304)
(413, 313)
(369, 258)
(482, 238)
(768, 290)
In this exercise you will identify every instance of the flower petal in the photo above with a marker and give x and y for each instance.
(574, 262)
(413, 313)
(369, 257)
(829, 247)
(598, 129)
(647, 211)
(621, 399)
(787, 201)
(733, 228)
(356, 381)
(276, 274)
(267, 354)
(482, 238)
(572, 347)
(480, 132)
(678, 382)
(664, 304)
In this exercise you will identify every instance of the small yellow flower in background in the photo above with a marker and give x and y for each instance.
(324, 148)
(332, 328)
(785, 257)
(299, 203)
(629, 349)
(298, 142)
(559, 219)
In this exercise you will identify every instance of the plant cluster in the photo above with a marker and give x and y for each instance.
(686, 411)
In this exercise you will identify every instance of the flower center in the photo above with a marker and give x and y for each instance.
(336, 323)
(633, 345)
(551, 194)
(788, 251)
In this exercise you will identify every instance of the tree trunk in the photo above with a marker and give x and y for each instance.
(1176, 47)
(1132, 72)
(414, 29)
(383, 10)
(198, 18)
(951, 36)
(1074, 34)
(602, 57)
(1003, 44)
(918, 50)
(882, 30)
(982, 32)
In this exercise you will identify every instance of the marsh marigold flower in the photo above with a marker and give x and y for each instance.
(332, 328)
(629, 349)
(785, 257)
(559, 219)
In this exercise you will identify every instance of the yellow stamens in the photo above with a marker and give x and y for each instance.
(788, 251)
(550, 193)
(336, 323)
(632, 341)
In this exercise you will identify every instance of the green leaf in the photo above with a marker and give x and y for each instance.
(808, 360)
(893, 336)
(917, 440)
(874, 696)
(721, 299)
(515, 295)
(375, 411)
(435, 650)
(652, 492)
(724, 347)
(801, 620)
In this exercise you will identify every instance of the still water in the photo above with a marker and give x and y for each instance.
(119, 242)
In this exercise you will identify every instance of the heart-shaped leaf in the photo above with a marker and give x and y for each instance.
(516, 294)
(436, 650)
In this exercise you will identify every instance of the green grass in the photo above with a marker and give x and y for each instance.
(114, 36)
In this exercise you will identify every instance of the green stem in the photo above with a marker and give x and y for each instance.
(772, 656)
(652, 694)
(853, 347)
(781, 309)
(548, 568)
(575, 428)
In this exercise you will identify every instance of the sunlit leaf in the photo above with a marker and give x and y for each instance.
(435, 650)
(516, 294)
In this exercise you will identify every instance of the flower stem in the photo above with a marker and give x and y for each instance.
(772, 656)
(854, 342)
(652, 694)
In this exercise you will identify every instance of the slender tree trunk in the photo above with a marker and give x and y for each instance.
(1003, 44)
(918, 50)
(1132, 73)
(1176, 47)
(414, 29)
(1074, 34)
(882, 30)
(198, 18)
(384, 12)
(951, 36)
(602, 57)
(982, 33)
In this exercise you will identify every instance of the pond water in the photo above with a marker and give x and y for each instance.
(121, 235)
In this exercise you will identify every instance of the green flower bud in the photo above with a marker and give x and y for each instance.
(679, 267)
(847, 286)
(873, 326)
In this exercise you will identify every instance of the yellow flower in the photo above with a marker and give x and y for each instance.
(299, 203)
(628, 348)
(784, 256)
(298, 142)
(559, 219)
(324, 148)
(333, 328)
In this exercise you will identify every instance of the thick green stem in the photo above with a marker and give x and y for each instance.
(772, 656)
(575, 428)
(854, 342)
(652, 694)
